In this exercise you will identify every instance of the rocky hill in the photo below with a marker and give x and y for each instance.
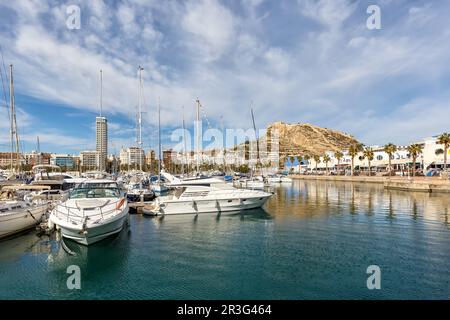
(304, 138)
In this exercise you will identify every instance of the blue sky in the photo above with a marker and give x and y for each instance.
(298, 61)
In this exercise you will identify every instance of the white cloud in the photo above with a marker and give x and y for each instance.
(330, 13)
(334, 72)
(212, 25)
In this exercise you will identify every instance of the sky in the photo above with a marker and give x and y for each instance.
(306, 61)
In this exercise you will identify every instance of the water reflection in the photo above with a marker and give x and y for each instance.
(313, 198)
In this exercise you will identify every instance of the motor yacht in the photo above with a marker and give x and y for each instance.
(206, 195)
(94, 210)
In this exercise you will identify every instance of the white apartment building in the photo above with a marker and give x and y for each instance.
(132, 156)
(431, 156)
(90, 160)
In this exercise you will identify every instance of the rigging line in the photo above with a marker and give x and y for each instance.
(202, 109)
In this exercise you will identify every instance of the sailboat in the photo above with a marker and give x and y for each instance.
(136, 189)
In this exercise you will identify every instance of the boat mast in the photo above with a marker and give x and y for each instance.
(256, 136)
(224, 148)
(14, 133)
(159, 142)
(140, 117)
(184, 148)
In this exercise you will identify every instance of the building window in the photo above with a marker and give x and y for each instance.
(380, 157)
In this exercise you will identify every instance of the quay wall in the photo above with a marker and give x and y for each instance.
(421, 184)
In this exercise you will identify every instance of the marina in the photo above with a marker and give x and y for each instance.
(224, 150)
(313, 240)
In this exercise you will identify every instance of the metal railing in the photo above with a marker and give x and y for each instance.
(76, 214)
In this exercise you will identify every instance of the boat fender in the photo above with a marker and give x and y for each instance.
(120, 204)
(83, 228)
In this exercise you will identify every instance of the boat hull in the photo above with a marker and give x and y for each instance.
(20, 220)
(93, 233)
(211, 205)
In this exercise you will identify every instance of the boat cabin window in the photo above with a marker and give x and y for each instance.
(78, 193)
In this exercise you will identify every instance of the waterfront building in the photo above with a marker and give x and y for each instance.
(169, 158)
(65, 161)
(101, 129)
(7, 157)
(431, 157)
(90, 160)
(132, 156)
(34, 158)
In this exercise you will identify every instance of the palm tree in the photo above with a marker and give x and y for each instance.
(338, 155)
(444, 139)
(368, 154)
(316, 160)
(326, 159)
(353, 152)
(414, 151)
(307, 157)
(390, 148)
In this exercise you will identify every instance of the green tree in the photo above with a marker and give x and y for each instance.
(326, 159)
(390, 149)
(353, 152)
(368, 154)
(316, 160)
(444, 139)
(338, 155)
(414, 151)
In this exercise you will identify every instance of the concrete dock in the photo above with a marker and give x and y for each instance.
(419, 184)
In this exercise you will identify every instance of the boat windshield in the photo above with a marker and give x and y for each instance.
(102, 192)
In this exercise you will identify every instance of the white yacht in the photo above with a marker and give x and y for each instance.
(94, 210)
(16, 214)
(254, 183)
(274, 179)
(206, 196)
(285, 179)
(45, 172)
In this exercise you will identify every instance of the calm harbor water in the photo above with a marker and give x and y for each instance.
(314, 240)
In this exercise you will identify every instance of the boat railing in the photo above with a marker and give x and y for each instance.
(79, 214)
